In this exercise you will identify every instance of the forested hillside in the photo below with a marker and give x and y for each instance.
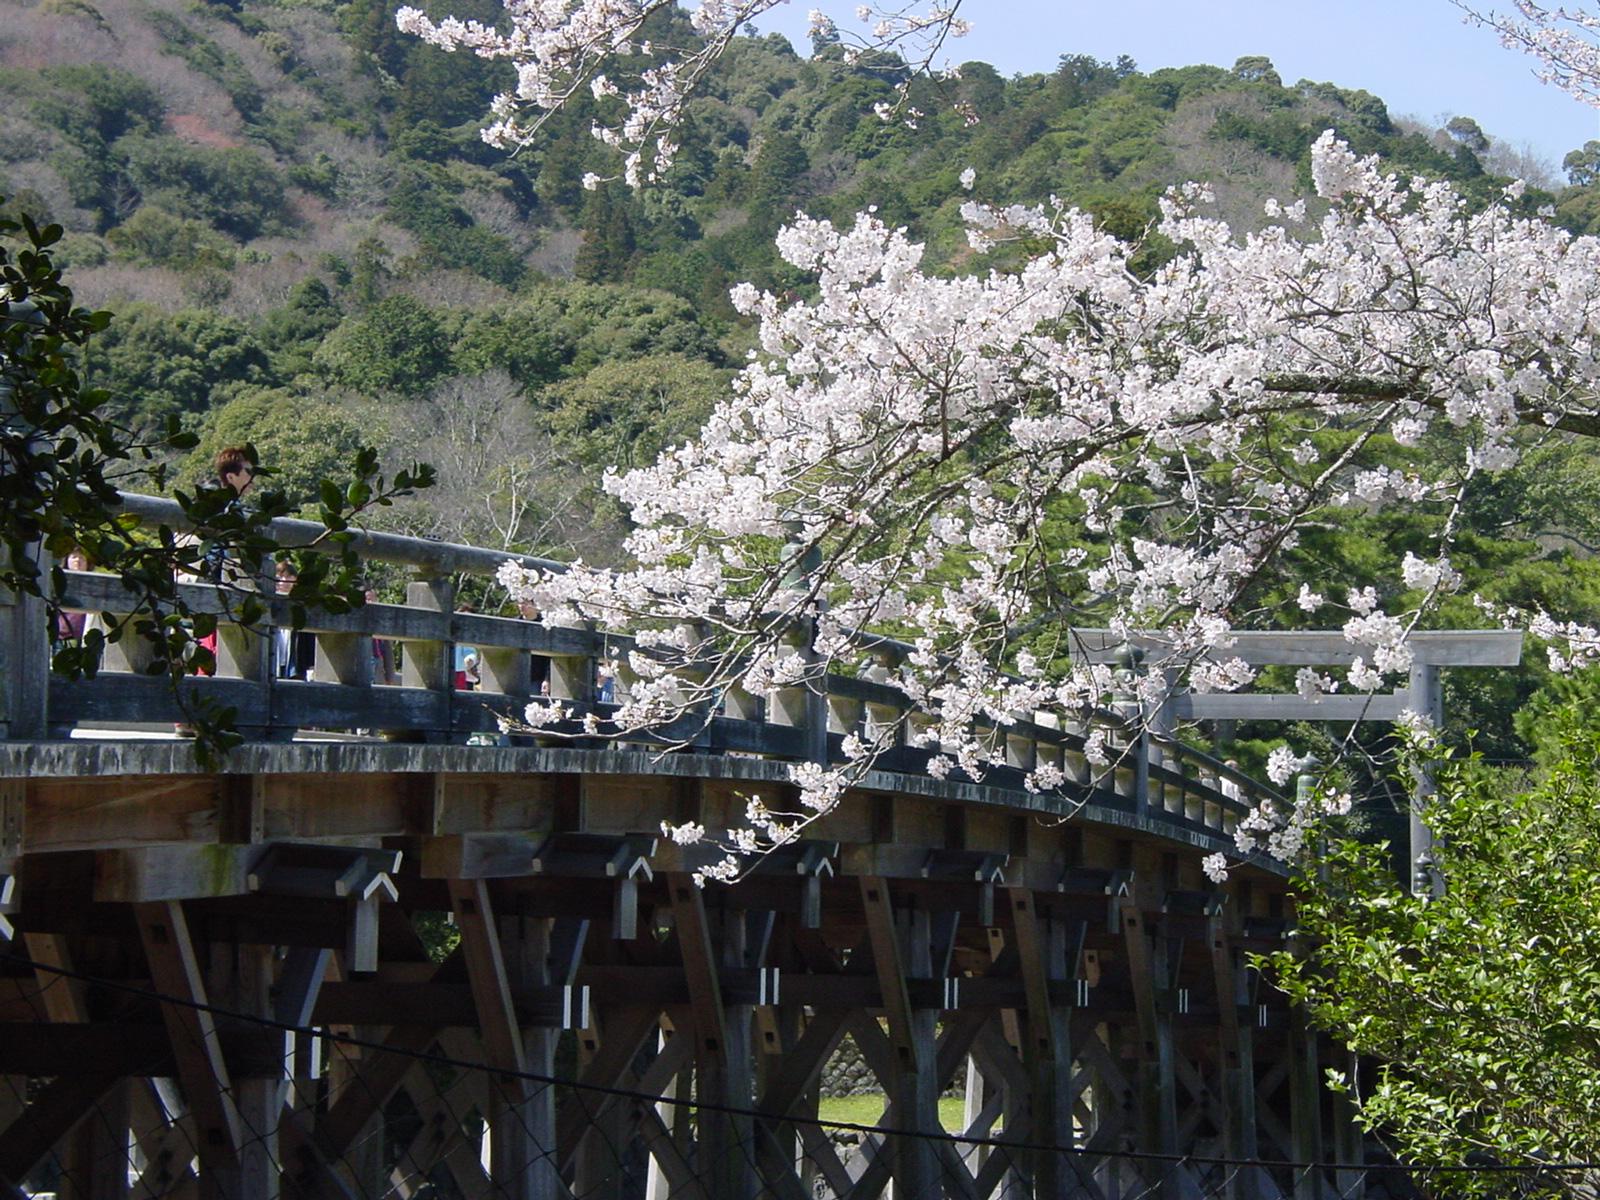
(307, 246)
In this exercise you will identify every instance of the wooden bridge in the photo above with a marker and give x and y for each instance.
(217, 982)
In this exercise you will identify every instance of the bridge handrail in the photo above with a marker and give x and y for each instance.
(1177, 781)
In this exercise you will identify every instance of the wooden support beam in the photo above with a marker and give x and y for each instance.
(1148, 973)
(1305, 1105)
(144, 874)
(486, 973)
(50, 1116)
(916, 1165)
(623, 1031)
(163, 1140)
(241, 809)
(523, 1155)
(94, 1156)
(681, 1177)
(240, 980)
(1236, 1044)
(375, 1082)
(1043, 955)
(441, 1139)
(723, 1050)
(62, 995)
(175, 972)
(947, 1053)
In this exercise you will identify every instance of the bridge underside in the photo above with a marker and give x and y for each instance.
(1068, 965)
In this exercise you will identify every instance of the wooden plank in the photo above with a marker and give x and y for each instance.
(1286, 706)
(63, 995)
(175, 972)
(172, 872)
(1314, 648)
(102, 813)
(13, 818)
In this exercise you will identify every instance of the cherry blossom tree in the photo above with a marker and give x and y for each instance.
(904, 456)
(904, 450)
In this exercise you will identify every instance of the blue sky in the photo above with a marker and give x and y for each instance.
(1416, 54)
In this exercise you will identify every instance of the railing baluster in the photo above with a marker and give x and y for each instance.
(430, 663)
(572, 677)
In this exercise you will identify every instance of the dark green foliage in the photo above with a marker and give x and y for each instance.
(1257, 68)
(95, 105)
(234, 190)
(157, 366)
(292, 333)
(155, 237)
(421, 202)
(626, 411)
(1583, 165)
(397, 346)
(567, 330)
(775, 179)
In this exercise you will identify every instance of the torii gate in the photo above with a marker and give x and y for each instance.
(1432, 650)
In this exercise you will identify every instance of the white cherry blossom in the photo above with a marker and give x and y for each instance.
(888, 460)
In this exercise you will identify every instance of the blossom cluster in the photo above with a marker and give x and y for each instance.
(895, 452)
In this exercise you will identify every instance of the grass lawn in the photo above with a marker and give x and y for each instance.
(865, 1110)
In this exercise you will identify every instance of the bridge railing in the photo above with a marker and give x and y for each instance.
(520, 660)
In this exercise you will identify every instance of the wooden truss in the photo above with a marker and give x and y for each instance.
(265, 1021)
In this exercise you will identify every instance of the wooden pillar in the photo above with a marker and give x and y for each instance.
(724, 1068)
(175, 971)
(1305, 1104)
(241, 981)
(1148, 972)
(521, 1116)
(95, 1154)
(529, 954)
(24, 662)
(914, 1163)
(1042, 954)
(1236, 1037)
